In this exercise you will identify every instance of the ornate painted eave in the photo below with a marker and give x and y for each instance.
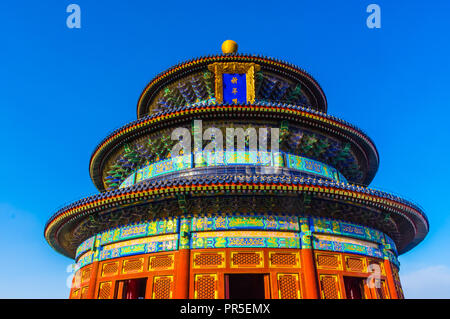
(413, 222)
(297, 114)
(194, 65)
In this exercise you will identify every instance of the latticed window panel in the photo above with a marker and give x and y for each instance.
(328, 261)
(329, 287)
(104, 291)
(288, 286)
(162, 287)
(373, 265)
(247, 259)
(162, 262)
(75, 294)
(209, 260)
(398, 285)
(84, 292)
(398, 288)
(284, 260)
(355, 264)
(381, 290)
(110, 269)
(76, 283)
(133, 265)
(85, 275)
(205, 286)
(395, 273)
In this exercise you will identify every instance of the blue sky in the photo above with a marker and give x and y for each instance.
(63, 90)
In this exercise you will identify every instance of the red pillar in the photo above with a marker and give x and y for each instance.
(93, 280)
(390, 279)
(309, 271)
(181, 284)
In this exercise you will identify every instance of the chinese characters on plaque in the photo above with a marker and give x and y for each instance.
(234, 88)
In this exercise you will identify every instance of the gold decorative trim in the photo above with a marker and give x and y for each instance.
(248, 69)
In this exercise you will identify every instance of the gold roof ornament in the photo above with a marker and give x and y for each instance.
(229, 46)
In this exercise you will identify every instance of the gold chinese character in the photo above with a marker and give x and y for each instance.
(234, 80)
(234, 91)
(235, 100)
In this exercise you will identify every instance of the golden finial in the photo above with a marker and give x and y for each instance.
(229, 46)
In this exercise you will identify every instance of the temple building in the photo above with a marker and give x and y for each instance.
(294, 219)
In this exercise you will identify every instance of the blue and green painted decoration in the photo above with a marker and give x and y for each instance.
(235, 231)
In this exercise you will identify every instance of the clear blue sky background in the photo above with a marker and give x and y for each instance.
(63, 90)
